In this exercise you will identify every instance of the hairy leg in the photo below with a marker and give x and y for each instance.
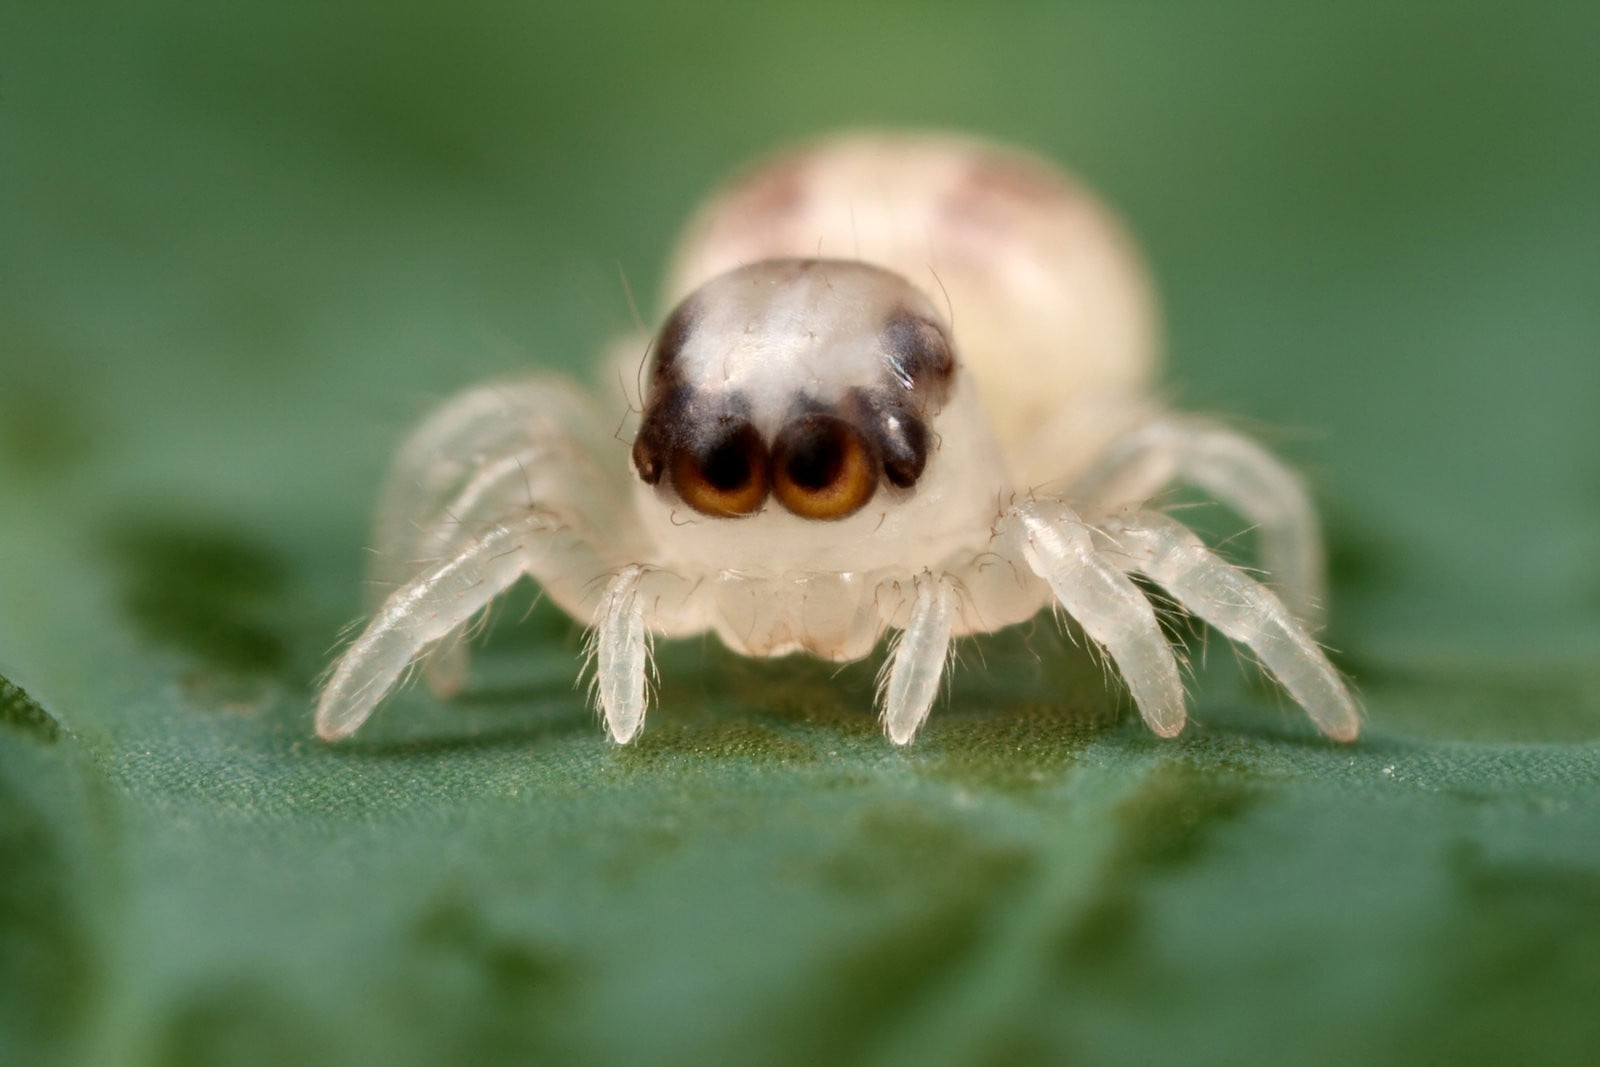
(1240, 474)
(434, 604)
(1173, 557)
(918, 661)
(532, 477)
(484, 441)
(485, 454)
(1058, 546)
(620, 647)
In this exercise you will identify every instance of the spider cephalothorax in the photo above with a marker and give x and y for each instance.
(813, 378)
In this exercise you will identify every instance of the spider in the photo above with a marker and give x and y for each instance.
(905, 384)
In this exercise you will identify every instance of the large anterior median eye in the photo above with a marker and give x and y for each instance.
(726, 479)
(821, 469)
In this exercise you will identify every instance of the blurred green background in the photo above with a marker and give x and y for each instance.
(243, 246)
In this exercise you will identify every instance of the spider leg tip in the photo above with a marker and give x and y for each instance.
(331, 731)
(1344, 732)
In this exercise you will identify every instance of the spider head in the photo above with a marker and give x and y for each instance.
(801, 396)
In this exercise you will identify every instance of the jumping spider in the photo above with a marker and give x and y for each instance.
(906, 383)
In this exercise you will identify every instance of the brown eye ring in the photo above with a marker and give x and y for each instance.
(822, 469)
(727, 478)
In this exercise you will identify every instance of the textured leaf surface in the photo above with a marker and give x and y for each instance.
(243, 246)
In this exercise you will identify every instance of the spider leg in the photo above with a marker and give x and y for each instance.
(1240, 474)
(1247, 612)
(445, 666)
(546, 474)
(484, 454)
(919, 658)
(1114, 613)
(620, 646)
(432, 605)
(482, 442)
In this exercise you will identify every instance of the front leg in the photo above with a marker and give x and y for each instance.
(918, 660)
(548, 474)
(434, 604)
(619, 647)
(539, 431)
(487, 453)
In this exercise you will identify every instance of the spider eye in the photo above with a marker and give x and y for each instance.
(727, 479)
(821, 468)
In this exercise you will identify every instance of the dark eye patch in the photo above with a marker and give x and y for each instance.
(920, 353)
(664, 373)
(892, 422)
(667, 402)
(661, 432)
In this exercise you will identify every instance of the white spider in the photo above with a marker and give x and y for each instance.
(906, 383)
